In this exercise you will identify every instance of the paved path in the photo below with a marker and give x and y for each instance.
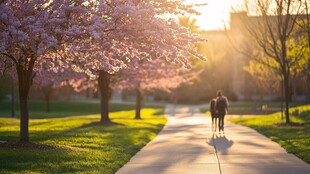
(187, 145)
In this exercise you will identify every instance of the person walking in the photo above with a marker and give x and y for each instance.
(213, 114)
(221, 106)
(174, 98)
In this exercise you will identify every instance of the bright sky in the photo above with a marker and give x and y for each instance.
(215, 13)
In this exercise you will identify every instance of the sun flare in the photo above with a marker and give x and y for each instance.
(216, 14)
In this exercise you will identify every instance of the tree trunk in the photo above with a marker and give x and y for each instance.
(24, 83)
(87, 93)
(104, 82)
(287, 97)
(13, 100)
(286, 74)
(96, 94)
(69, 94)
(282, 84)
(24, 120)
(48, 108)
(138, 104)
(47, 91)
(308, 80)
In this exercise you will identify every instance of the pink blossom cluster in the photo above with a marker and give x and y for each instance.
(47, 75)
(156, 74)
(85, 36)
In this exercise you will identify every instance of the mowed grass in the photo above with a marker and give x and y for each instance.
(82, 144)
(59, 109)
(295, 138)
(248, 107)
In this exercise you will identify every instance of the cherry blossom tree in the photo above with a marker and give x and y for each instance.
(92, 37)
(146, 75)
(33, 30)
(137, 31)
(47, 78)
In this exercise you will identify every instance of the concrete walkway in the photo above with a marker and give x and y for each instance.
(187, 145)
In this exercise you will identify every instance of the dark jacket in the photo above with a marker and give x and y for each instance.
(221, 105)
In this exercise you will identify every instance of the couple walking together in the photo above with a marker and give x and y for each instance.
(218, 109)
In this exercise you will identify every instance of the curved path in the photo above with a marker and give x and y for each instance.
(187, 145)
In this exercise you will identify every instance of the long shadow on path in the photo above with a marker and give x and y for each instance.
(221, 143)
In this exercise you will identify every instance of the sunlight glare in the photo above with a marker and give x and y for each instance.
(215, 14)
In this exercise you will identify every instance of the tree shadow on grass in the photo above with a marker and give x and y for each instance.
(159, 112)
(30, 146)
(46, 160)
(97, 123)
(111, 144)
(61, 109)
(292, 124)
(80, 130)
(303, 115)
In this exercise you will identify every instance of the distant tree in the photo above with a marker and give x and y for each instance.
(190, 23)
(272, 32)
(47, 78)
(145, 76)
(298, 47)
(304, 24)
(5, 87)
(197, 84)
(5, 79)
(266, 80)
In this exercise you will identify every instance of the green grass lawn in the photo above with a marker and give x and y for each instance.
(82, 144)
(294, 138)
(59, 109)
(254, 107)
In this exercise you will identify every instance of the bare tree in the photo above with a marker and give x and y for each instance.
(304, 24)
(271, 25)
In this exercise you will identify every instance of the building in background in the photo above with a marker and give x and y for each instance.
(224, 51)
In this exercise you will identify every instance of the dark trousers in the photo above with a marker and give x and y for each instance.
(214, 120)
(221, 121)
